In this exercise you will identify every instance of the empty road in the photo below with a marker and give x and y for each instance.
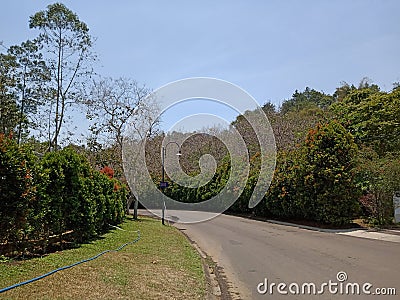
(253, 253)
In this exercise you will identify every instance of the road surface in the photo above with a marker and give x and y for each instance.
(258, 256)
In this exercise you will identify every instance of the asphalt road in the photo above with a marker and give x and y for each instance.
(252, 251)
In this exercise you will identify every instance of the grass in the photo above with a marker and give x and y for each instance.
(162, 265)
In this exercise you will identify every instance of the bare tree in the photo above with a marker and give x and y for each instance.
(112, 103)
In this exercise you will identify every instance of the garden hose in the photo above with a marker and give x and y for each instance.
(70, 266)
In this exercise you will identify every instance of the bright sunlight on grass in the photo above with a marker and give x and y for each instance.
(162, 265)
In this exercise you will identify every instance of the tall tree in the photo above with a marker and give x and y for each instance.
(30, 74)
(9, 117)
(67, 42)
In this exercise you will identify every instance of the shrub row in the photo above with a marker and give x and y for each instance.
(48, 197)
(315, 182)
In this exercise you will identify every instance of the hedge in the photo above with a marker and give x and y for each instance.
(57, 194)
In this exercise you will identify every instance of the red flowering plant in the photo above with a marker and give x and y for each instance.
(108, 171)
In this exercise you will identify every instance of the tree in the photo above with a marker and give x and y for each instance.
(290, 129)
(111, 103)
(9, 116)
(67, 43)
(372, 117)
(308, 98)
(30, 75)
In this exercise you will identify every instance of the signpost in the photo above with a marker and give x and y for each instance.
(163, 184)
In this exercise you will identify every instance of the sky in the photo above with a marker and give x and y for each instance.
(268, 48)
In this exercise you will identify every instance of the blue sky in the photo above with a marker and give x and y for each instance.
(269, 48)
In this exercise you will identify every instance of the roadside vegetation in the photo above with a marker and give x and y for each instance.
(161, 265)
(338, 158)
(53, 202)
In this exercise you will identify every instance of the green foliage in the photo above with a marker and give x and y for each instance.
(372, 117)
(67, 42)
(379, 178)
(283, 198)
(9, 112)
(17, 191)
(316, 181)
(68, 191)
(310, 98)
(58, 17)
(330, 192)
(30, 74)
(317, 175)
(80, 198)
(241, 205)
(61, 193)
(202, 193)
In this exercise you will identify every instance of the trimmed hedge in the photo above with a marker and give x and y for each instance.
(17, 191)
(59, 193)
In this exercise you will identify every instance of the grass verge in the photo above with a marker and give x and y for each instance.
(162, 265)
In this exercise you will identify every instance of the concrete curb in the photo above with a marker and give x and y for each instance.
(373, 235)
(213, 288)
(380, 235)
(314, 228)
(388, 235)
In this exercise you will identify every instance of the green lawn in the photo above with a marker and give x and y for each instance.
(162, 265)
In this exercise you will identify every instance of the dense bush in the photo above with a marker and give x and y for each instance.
(17, 191)
(317, 175)
(284, 197)
(68, 193)
(330, 190)
(60, 193)
(378, 178)
(316, 182)
(81, 199)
